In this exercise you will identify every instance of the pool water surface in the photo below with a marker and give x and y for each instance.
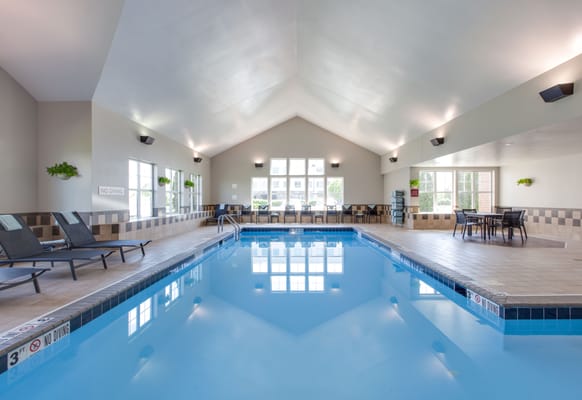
(322, 315)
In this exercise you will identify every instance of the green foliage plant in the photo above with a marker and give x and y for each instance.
(524, 181)
(162, 180)
(63, 170)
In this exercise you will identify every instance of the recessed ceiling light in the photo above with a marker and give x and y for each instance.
(508, 144)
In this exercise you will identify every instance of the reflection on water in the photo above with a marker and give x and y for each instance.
(298, 266)
(312, 317)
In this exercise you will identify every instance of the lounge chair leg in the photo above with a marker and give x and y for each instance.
(104, 262)
(524, 231)
(142, 250)
(122, 255)
(454, 230)
(35, 283)
(72, 267)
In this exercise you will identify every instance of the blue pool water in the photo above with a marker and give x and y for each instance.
(312, 316)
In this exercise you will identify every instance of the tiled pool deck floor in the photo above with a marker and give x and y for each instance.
(539, 273)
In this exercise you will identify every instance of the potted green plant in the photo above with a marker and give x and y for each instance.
(162, 180)
(188, 184)
(414, 183)
(525, 181)
(63, 170)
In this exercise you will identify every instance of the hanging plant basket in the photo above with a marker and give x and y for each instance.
(162, 180)
(63, 170)
(525, 181)
(188, 184)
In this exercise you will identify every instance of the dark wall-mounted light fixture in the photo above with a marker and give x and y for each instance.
(259, 165)
(146, 139)
(437, 141)
(393, 159)
(335, 165)
(557, 92)
(197, 159)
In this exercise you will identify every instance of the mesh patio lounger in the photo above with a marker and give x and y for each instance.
(10, 277)
(79, 236)
(20, 245)
(219, 209)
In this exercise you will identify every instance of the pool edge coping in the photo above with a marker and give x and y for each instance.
(93, 305)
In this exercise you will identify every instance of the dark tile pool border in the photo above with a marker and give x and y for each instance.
(94, 305)
(491, 302)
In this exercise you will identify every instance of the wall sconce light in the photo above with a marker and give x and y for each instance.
(197, 159)
(146, 139)
(557, 92)
(437, 141)
(393, 159)
(258, 165)
(335, 165)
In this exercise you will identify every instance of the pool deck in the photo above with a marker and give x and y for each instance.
(543, 272)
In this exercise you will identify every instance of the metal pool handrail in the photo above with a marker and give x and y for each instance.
(232, 221)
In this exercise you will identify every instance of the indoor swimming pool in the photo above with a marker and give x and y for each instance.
(304, 315)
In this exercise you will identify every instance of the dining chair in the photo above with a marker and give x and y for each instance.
(466, 222)
(510, 220)
(522, 222)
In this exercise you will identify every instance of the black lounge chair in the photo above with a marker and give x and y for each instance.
(79, 236)
(219, 209)
(246, 211)
(20, 245)
(347, 212)
(306, 211)
(373, 212)
(10, 277)
(331, 212)
(263, 211)
(290, 211)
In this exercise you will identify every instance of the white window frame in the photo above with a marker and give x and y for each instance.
(310, 174)
(139, 189)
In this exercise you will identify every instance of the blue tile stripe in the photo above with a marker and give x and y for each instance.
(508, 312)
(86, 310)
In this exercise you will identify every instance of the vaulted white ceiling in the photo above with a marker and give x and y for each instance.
(213, 73)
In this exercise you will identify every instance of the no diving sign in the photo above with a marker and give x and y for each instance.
(35, 345)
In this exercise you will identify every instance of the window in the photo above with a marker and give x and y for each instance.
(259, 192)
(278, 166)
(296, 187)
(316, 166)
(335, 191)
(173, 191)
(441, 191)
(474, 190)
(297, 166)
(278, 193)
(436, 191)
(297, 191)
(316, 193)
(140, 189)
(194, 194)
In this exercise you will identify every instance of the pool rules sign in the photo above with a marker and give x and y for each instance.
(37, 344)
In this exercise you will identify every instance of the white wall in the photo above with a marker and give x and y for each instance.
(64, 134)
(397, 180)
(519, 110)
(17, 147)
(297, 138)
(116, 139)
(557, 183)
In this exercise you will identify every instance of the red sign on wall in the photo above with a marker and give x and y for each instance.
(413, 192)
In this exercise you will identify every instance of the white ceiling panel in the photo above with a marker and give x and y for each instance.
(211, 74)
